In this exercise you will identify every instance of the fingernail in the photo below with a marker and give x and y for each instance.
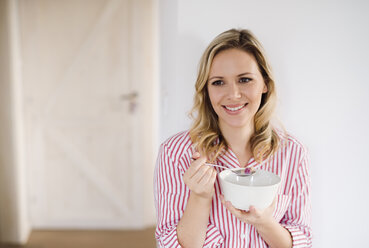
(195, 155)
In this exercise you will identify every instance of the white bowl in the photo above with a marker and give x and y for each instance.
(257, 190)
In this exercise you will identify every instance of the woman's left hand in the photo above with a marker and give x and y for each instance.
(253, 216)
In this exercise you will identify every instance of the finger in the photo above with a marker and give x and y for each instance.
(207, 177)
(197, 175)
(193, 148)
(198, 162)
(195, 165)
(254, 211)
(214, 176)
(195, 155)
(269, 210)
(222, 200)
(271, 207)
(236, 212)
(231, 208)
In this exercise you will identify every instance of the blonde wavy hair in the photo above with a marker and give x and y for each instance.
(205, 132)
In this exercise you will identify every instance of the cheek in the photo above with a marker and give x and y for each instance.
(214, 98)
(256, 94)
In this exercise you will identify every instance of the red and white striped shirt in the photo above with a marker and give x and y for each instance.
(292, 210)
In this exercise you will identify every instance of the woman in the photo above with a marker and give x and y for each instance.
(234, 101)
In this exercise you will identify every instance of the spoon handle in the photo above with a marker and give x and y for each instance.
(215, 165)
(244, 172)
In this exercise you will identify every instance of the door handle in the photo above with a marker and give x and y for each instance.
(132, 98)
(129, 96)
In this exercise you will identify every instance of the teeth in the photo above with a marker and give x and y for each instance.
(234, 109)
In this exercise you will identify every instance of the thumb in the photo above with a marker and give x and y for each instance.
(196, 155)
(254, 211)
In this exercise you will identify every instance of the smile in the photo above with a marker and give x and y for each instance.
(236, 108)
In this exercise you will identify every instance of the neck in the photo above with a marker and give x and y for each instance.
(238, 138)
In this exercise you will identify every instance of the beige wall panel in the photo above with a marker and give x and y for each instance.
(88, 142)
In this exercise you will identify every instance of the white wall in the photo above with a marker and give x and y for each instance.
(318, 50)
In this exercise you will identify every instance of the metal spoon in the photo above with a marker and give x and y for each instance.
(242, 172)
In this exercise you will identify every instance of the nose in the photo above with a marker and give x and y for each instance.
(234, 91)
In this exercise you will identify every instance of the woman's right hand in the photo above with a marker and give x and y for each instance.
(200, 178)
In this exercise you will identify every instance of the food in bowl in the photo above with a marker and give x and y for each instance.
(258, 189)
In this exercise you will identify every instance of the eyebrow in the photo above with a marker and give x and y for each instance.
(239, 75)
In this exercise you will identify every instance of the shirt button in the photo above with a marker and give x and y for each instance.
(243, 236)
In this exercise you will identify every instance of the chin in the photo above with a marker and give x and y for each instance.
(237, 125)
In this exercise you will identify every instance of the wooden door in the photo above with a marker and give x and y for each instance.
(87, 67)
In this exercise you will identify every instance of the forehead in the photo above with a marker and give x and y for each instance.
(233, 62)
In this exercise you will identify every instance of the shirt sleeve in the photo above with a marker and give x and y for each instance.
(297, 219)
(171, 196)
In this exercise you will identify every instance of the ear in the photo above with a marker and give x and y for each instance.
(265, 89)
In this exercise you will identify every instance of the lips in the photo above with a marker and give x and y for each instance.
(234, 108)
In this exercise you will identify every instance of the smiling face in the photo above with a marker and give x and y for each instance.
(235, 88)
